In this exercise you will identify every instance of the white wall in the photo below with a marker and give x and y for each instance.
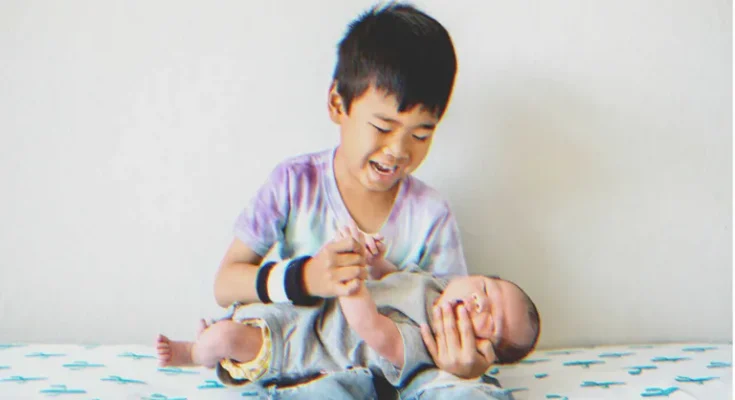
(587, 153)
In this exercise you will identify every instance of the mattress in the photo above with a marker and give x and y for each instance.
(672, 371)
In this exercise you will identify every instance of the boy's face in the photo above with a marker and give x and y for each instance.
(497, 308)
(379, 145)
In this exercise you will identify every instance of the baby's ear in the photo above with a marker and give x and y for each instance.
(485, 347)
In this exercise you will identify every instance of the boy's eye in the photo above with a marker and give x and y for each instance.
(421, 138)
(381, 130)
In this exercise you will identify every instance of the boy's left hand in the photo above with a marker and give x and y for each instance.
(455, 348)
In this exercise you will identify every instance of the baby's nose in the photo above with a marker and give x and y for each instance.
(478, 303)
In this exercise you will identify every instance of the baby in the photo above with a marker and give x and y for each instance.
(380, 327)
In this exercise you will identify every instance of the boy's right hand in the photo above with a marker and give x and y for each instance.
(337, 269)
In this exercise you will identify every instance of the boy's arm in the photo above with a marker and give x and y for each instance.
(235, 279)
(335, 270)
(378, 331)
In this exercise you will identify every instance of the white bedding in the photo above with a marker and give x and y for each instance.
(675, 371)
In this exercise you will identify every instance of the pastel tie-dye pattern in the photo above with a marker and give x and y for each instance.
(299, 209)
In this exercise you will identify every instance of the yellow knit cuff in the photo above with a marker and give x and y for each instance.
(252, 370)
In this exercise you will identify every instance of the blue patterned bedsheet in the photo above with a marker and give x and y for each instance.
(671, 371)
(674, 371)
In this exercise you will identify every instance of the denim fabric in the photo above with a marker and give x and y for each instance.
(356, 383)
(360, 384)
(432, 384)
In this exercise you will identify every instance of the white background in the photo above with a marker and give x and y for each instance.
(587, 155)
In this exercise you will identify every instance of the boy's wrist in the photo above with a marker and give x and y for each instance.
(283, 282)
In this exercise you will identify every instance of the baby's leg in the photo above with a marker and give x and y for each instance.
(221, 340)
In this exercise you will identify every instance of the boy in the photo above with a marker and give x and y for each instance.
(375, 328)
(392, 83)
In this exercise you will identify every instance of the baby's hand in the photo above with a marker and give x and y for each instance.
(374, 257)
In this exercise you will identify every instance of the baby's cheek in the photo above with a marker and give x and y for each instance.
(483, 326)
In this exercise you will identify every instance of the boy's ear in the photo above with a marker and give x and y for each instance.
(335, 104)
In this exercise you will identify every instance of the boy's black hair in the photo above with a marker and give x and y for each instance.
(508, 352)
(399, 49)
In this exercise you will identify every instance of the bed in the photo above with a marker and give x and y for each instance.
(671, 371)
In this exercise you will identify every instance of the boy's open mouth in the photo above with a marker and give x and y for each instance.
(382, 168)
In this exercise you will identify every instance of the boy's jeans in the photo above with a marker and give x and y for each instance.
(360, 384)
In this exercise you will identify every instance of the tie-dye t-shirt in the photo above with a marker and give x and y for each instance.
(299, 209)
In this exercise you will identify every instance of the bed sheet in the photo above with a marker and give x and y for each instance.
(663, 371)
(672, 371)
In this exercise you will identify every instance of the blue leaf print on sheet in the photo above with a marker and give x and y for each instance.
(159, 396)
(209, 384)
(615, 355)
(699, 349)
(80, 365)
(44, 355)
(583, 364)
(5, 346)
(23, 379)
(700, 381)
(604, 385)
(534, 360)
(659, 392)
(136, 356)
(636, 370)
(562, 352)
(122, 381)
(55, 390)
(669, 359)
(177, 371)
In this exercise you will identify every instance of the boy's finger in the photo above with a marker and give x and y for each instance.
(346, 245)
(429, 340)
(441, 341)
(345, 274)
(466, 331)
(348, 288)
(450, 328)
(380, 246)
(348, 260)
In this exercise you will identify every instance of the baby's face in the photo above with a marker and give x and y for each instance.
(496, 307)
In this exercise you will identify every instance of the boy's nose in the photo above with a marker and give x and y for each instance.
(397, 151)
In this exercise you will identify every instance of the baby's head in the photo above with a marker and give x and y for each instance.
(501, 312)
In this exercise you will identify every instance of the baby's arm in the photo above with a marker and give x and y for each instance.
(377, 330)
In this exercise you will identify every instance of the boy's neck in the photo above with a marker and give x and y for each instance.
(370, 209)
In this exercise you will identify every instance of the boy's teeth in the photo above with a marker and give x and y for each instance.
(383, 168)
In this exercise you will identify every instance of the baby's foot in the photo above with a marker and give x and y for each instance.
(176, 354)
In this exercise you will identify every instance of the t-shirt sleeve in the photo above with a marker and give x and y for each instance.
(443, 254)
(415, 356)
(261, 223)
